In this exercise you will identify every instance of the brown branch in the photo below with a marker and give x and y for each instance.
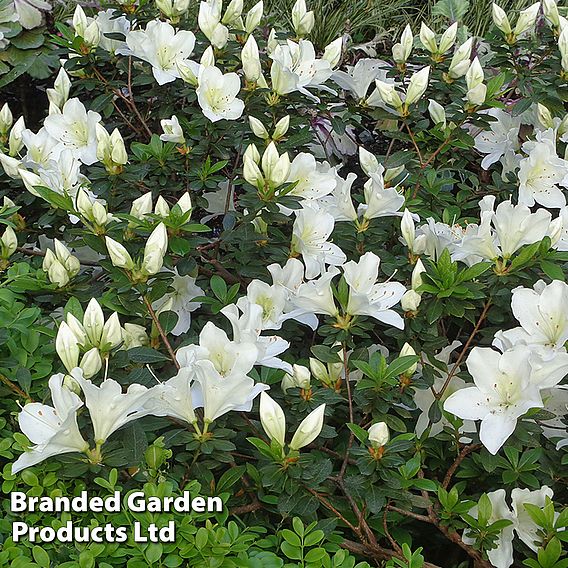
(410, 514)
(351, 419)
(464, 350)
(160, 329)
(15, 388)
(133, 102)
(457, 462)
(376, 552)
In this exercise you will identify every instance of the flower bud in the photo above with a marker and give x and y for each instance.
(407, 350)
(417, 86)
(31, 181)
(254, 16)
(93, 322)
(461, 60)
(141, 206)
(410, 301)
(501, 20)
(299, 378)
(281, 128)
(388, 94)
(119, 256)
(448, 38)
(111, 336)
(392, 173)
(118, 151)
(544, 116)
(15, 141)
(252, 153)
(477, 91)
(407, 229)
(302, 20)
(258, 128)
(8, 243)
(184, 203)
(155, 250)
(437, 113)
(233, 12)
(251, 172)
(428, 38)
(6, 120)
(12, 167)
(319, 370)
(309, 429)
(80, 21)
(401, 51)
(369, 163)
(527, 19)
(378, 435)
(69, 262)
(272, 419)
(134, 335)
(92, 35)
(416, 279)
(162, 209)
(77, 328)
(91, 363)
(332, 52)
(67, 347)
(272, 42)
(250, 59)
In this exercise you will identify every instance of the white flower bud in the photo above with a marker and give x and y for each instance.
(401, 51)
(92, 36)
(111, 336)
(544, 116)
(501, 20)
(251, 172)
(118, 151)
(416, 280)
(15, 141)
(272, 419)
(281, 128)
(80, 21)
(252, 153)
(550, 10)
(332, 52)
(254, 16)
(527, 19)
(77, 328)
(155, 250)
(406, 350)
(67, 346)
(477, 91)
(233, 12)
(302, 20)
(437, 113)
(388, 94)
(309, 429)
(258, 128)
(93, 322)
(250, 59)
(407, 228)
(378, 435)
(142, 206)
(299, 378)
(12, 167)
(461, 60)
(417, 86)
(134, 335)
(448, 38)
(184, 203)
(410, 301)
(162, 209)
(91, 363)
(8, 243)
(119, 256)
(428, 38)
(70, 262)
(6, 119)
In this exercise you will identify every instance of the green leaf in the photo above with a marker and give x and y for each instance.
(360, 433)
(146, 355)
(168, 320)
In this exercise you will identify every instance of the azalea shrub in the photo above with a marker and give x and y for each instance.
(326, 287)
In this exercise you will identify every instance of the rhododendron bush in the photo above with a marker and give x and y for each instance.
(327, 286)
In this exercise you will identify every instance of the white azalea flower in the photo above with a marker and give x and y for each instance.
(525, 527)
(219, 394)
(368, 298)
(162, 47)
(312, 229)
(380, 201)
(503, 392)
(358, 78)
(110, 408)
(542, 173)
(217, 95)
(312, 181)
(76, 129)
(109, 24)
(53, 429)
(180, 301)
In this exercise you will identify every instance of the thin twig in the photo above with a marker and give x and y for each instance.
(160, 329)
(457, 462)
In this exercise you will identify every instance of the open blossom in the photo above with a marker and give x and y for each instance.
(502, 232)
(503, 392)
(76, 129)
(162, 47)
(542, 173)
(311, 232)
(52, 429)
(217, 95)
(312, 181)
(369, 298)
(180, 301)
(358, 78)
